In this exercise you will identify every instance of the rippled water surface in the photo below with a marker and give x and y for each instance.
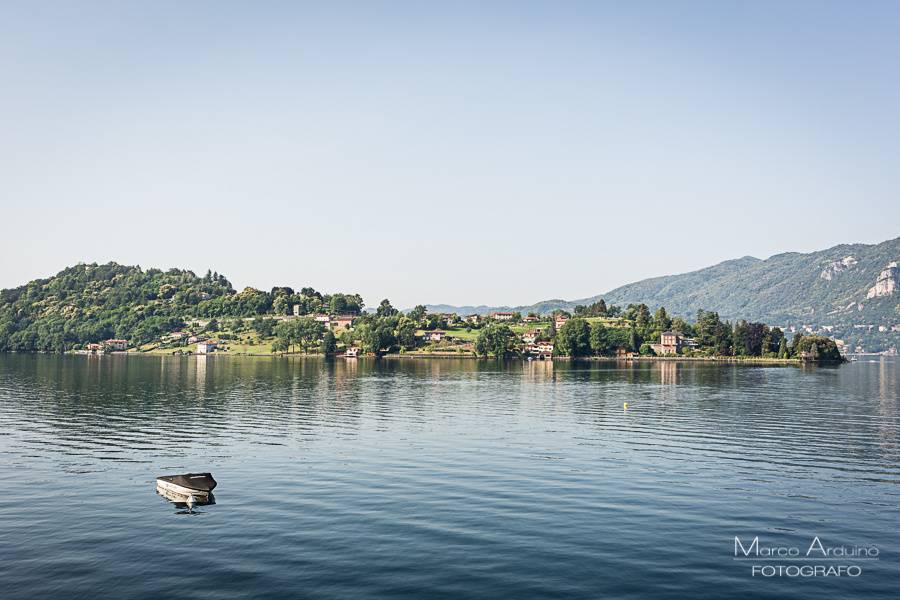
(441, 478)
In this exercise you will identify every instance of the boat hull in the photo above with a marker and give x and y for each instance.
(190, 487)
(178, 490)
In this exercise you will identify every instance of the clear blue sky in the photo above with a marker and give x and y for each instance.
(497, 153)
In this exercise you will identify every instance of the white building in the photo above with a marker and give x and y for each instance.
(206, 347)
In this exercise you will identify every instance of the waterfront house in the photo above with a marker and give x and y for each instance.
(352, 352)
(206, 347)
(540, 349)
(670, 342)
(94, 348)
(116, 345)
(544, 347)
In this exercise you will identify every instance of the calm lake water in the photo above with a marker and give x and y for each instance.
(442, 478)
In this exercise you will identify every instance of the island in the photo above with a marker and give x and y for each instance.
(109, 308)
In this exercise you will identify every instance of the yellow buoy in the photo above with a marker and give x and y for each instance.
(625, 405)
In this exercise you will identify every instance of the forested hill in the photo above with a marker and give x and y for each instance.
(89, 303)
(844, 285)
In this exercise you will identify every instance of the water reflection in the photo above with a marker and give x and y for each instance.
(455, 476)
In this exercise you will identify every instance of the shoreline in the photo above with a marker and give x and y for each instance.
(445, 356)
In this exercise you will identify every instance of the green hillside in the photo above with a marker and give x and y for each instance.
(826, 287)
(88, 303)
(851, 291)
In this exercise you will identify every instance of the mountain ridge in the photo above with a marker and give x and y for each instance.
(827, 286)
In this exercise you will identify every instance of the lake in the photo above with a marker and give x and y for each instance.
(445, 478)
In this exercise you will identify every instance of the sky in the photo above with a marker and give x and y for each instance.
(462, 153)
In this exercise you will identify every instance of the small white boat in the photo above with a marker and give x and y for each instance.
(191, 488)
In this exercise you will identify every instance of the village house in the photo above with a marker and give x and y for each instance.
(529, 337)
(342, 322)
(473, 319)
(544, 347)
(540, 349)
(323, 319)
(194, 339)
(560, 321)
(531, 319)
(352, 352)
(449, 318)
(116, 345)
(434, 336)
(502, 316)
(206, 347)
(296, 309)
(624, 353)
(670, 342)
(94, 348)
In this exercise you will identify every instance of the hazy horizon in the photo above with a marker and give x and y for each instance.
(466, 154)
(373, 302)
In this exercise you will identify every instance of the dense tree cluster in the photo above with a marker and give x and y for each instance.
(89, 303)
(636, 330)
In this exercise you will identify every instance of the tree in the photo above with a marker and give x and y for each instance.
(601, 342)
(406, 333)
(796, 342)
(712, 334)
(597, 309)
(263, 327)
(740, 339)
(377, 337)
(385, 309)
(307, 332)
(418, 313)
(328, 345)
(818, 348)
(774, 341)
(661, 320)
(682, 326)
(495, 339)
(285, 336)
(281, 306)
(634, 340)
(279, 345)
(574, 338)
(346, 337)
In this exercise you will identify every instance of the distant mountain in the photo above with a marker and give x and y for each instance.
(844, 285)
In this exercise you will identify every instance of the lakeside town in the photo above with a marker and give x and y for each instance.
(595, 331)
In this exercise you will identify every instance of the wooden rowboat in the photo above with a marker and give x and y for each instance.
(190, 487)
